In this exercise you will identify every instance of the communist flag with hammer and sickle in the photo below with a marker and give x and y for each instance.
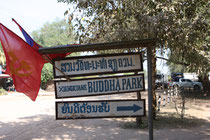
(24, 64)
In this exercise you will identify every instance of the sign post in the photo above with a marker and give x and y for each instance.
(117, 108)
(150, 97)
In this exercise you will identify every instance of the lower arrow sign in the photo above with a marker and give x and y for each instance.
(133, 108)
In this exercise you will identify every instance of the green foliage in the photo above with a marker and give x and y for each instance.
(177, 68)
(56, 33)
(47, 75)
(182, 26)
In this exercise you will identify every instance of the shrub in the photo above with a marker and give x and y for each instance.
(47, 75)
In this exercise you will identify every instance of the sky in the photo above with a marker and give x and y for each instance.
(30, 14)
(33, 14)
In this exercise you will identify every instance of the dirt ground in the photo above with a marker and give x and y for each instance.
(23, 119)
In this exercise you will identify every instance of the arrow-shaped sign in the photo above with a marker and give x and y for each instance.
(133, 108)
(99, 109)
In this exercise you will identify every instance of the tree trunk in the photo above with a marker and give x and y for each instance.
(154, 103)
(206, 84)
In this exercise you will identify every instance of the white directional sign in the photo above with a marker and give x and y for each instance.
(100, 86)
(99, 109)
(100, 64)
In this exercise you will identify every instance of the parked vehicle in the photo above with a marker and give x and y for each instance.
(175, 76)
(187, 83)
(6, 81)
(161, 81)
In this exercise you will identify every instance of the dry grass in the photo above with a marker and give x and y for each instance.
(197, 110)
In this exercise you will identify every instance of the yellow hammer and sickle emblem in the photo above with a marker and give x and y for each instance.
(23, 66)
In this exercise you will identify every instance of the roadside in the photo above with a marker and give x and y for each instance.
(22, 119)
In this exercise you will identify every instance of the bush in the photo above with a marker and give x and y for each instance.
(47, 75)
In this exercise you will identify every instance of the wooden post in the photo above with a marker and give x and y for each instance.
(150, 95)
(138, 94)
(138, 119)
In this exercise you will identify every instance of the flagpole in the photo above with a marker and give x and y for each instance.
(48, 59)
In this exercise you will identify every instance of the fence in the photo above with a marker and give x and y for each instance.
(167, 96)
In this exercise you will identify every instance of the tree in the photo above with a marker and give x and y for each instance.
(56, 33)
(179, 25)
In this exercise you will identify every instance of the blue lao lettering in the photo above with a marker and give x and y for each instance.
(96, 64)
(63, 67)
(67, 67)
(120, 62)
(127, 62)
(113, 64)
(85, 108)
(89, 110)
(94, 108)
(103, 107)
(130, 63)
(76, 108)
(72, 66)
(86, 65)
(79, 65)
(66, 109)
(103, 63)
(92, 65)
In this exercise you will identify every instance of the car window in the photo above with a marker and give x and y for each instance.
(188, 80)
(183, 80)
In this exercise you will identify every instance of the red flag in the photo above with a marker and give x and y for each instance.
(24, 64)
(36, 46)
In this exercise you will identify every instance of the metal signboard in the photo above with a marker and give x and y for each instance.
(99, 109)
(98, 64)
(99, 86)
